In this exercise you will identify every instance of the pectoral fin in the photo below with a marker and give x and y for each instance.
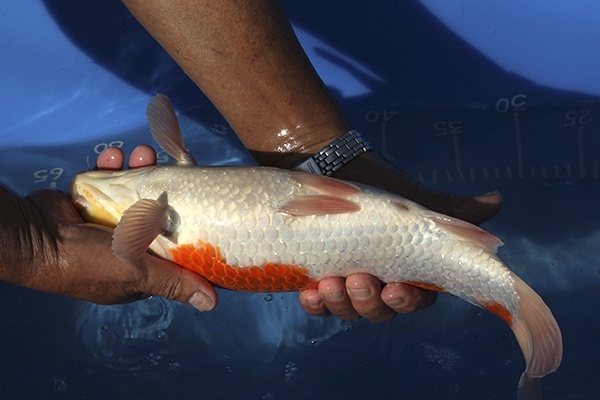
(140, 225)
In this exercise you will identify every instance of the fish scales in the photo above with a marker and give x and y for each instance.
(236, 210)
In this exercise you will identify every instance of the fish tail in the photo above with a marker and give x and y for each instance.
(540, 340)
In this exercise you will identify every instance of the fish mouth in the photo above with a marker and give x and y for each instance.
(88, 201)
(81, 203)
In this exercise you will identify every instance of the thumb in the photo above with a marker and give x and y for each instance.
(166, 279)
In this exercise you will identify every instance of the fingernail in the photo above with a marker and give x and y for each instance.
(334, 296)
(201, 302)
(360, 293)
(314, 303)
(490, 197)
(395, 302)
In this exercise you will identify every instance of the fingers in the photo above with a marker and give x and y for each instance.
(91, 272)
(476, 209)
(142, 156)
(173, 282)
(361, 295)
(113, 158)
(331, 297)
(365, 294)
(405, 299)
(372, 169)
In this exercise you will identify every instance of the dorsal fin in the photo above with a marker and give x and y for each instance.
(164, 128)
(465, 230)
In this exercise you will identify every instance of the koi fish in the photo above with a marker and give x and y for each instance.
(267, 229)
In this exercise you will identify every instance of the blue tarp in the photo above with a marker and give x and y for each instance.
(467, 96)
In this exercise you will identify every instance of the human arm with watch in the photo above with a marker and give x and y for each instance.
(246, 58)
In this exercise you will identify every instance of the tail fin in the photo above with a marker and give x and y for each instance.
(540, 339)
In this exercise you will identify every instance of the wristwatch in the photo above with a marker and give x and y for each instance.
(336, 154)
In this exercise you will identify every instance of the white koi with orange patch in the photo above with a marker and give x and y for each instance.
(265, 229)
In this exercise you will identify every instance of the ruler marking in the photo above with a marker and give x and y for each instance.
(581, 153)
(457, 159)
(384, 144)
(518, 142)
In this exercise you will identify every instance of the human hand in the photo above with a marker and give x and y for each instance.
(48, 247)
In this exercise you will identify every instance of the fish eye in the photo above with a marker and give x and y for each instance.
(171, 222)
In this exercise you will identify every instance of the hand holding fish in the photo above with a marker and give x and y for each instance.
(359, 295)
(45, 246)
(64, 257)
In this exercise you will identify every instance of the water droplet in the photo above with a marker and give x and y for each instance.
(268, 297)
(174, 366)
(313, 341)
(161, 335)
(444, 357)
(153, 359)
(58, 384)
(290, 372)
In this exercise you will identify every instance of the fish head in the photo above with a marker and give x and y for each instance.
(101, 197)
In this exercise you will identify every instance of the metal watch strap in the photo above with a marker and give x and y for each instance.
(336, 154)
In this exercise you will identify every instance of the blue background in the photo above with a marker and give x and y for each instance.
(467, 96)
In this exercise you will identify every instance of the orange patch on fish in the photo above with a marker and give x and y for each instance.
(425, 286)
(501, 311)
(207, 260)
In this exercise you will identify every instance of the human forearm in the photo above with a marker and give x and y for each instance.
(256, 74)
